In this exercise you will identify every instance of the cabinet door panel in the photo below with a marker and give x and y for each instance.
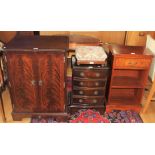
(22, 81)
(51, 82)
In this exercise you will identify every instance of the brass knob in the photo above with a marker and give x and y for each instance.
(94, 101)
(33, 82)
(96, 84)
(80, 100)
(82, 74)
(40, 82)
(80, 92)
(81, 83)
(95, 92)
(97, 74)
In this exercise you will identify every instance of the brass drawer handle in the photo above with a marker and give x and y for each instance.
(82, 74)
(81, 83)
(132, 63)
(95, 92)
(129, 63)
(97, 74)
(96, 83)
(80, 92)
(94, 101)
(80, 100)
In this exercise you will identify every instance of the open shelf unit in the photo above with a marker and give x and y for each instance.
(128, 78)
(126, 96)
(127, 81)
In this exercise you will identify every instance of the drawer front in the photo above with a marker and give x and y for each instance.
(88, 100)
(94, 74)
(82, 83)
(89, 92)
(132, 63)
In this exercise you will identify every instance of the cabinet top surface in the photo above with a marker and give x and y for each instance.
(129, 50)
(39, 42)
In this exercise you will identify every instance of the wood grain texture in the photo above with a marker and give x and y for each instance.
(148, 116)
(95, 34)
(128, 78)
(132, 63)
(137, 38)
(51, 82)
(79, 82)
(21, 76)
(6, 36)
(49, 33)
(133, 38)
(25, 33)
(89, 87)
(117, 37)
(37, 72)
(105, 36)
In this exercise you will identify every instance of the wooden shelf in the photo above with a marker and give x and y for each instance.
(130, 66)
(126, 82)
(121, 100)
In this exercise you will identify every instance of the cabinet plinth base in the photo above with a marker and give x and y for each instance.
(19, 116)
(134, 107)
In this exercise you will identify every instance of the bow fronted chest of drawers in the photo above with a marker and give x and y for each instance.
(89, 85)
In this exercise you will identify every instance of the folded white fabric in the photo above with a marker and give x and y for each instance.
(90, 53)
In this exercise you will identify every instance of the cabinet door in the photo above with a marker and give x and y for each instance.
(137, 38)
(51, 82)
(22, 82)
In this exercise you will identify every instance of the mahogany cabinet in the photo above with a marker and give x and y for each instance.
(130, 66)
(37, 75)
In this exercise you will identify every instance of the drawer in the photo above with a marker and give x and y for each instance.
(132, 63)
(94, 74)
(89, 83)
(89, 92)
(88, 100)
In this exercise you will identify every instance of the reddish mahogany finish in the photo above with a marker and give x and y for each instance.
(130, 68)
(37, 75)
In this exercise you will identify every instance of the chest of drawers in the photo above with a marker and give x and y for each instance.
(89, 85)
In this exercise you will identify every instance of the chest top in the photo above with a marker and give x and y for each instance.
(29, 43)
(129, 51)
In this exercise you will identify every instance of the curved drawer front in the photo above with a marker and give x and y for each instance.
(89, 92)
(89, 83)
(94, 74)
(132, 63)
(87, 100)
